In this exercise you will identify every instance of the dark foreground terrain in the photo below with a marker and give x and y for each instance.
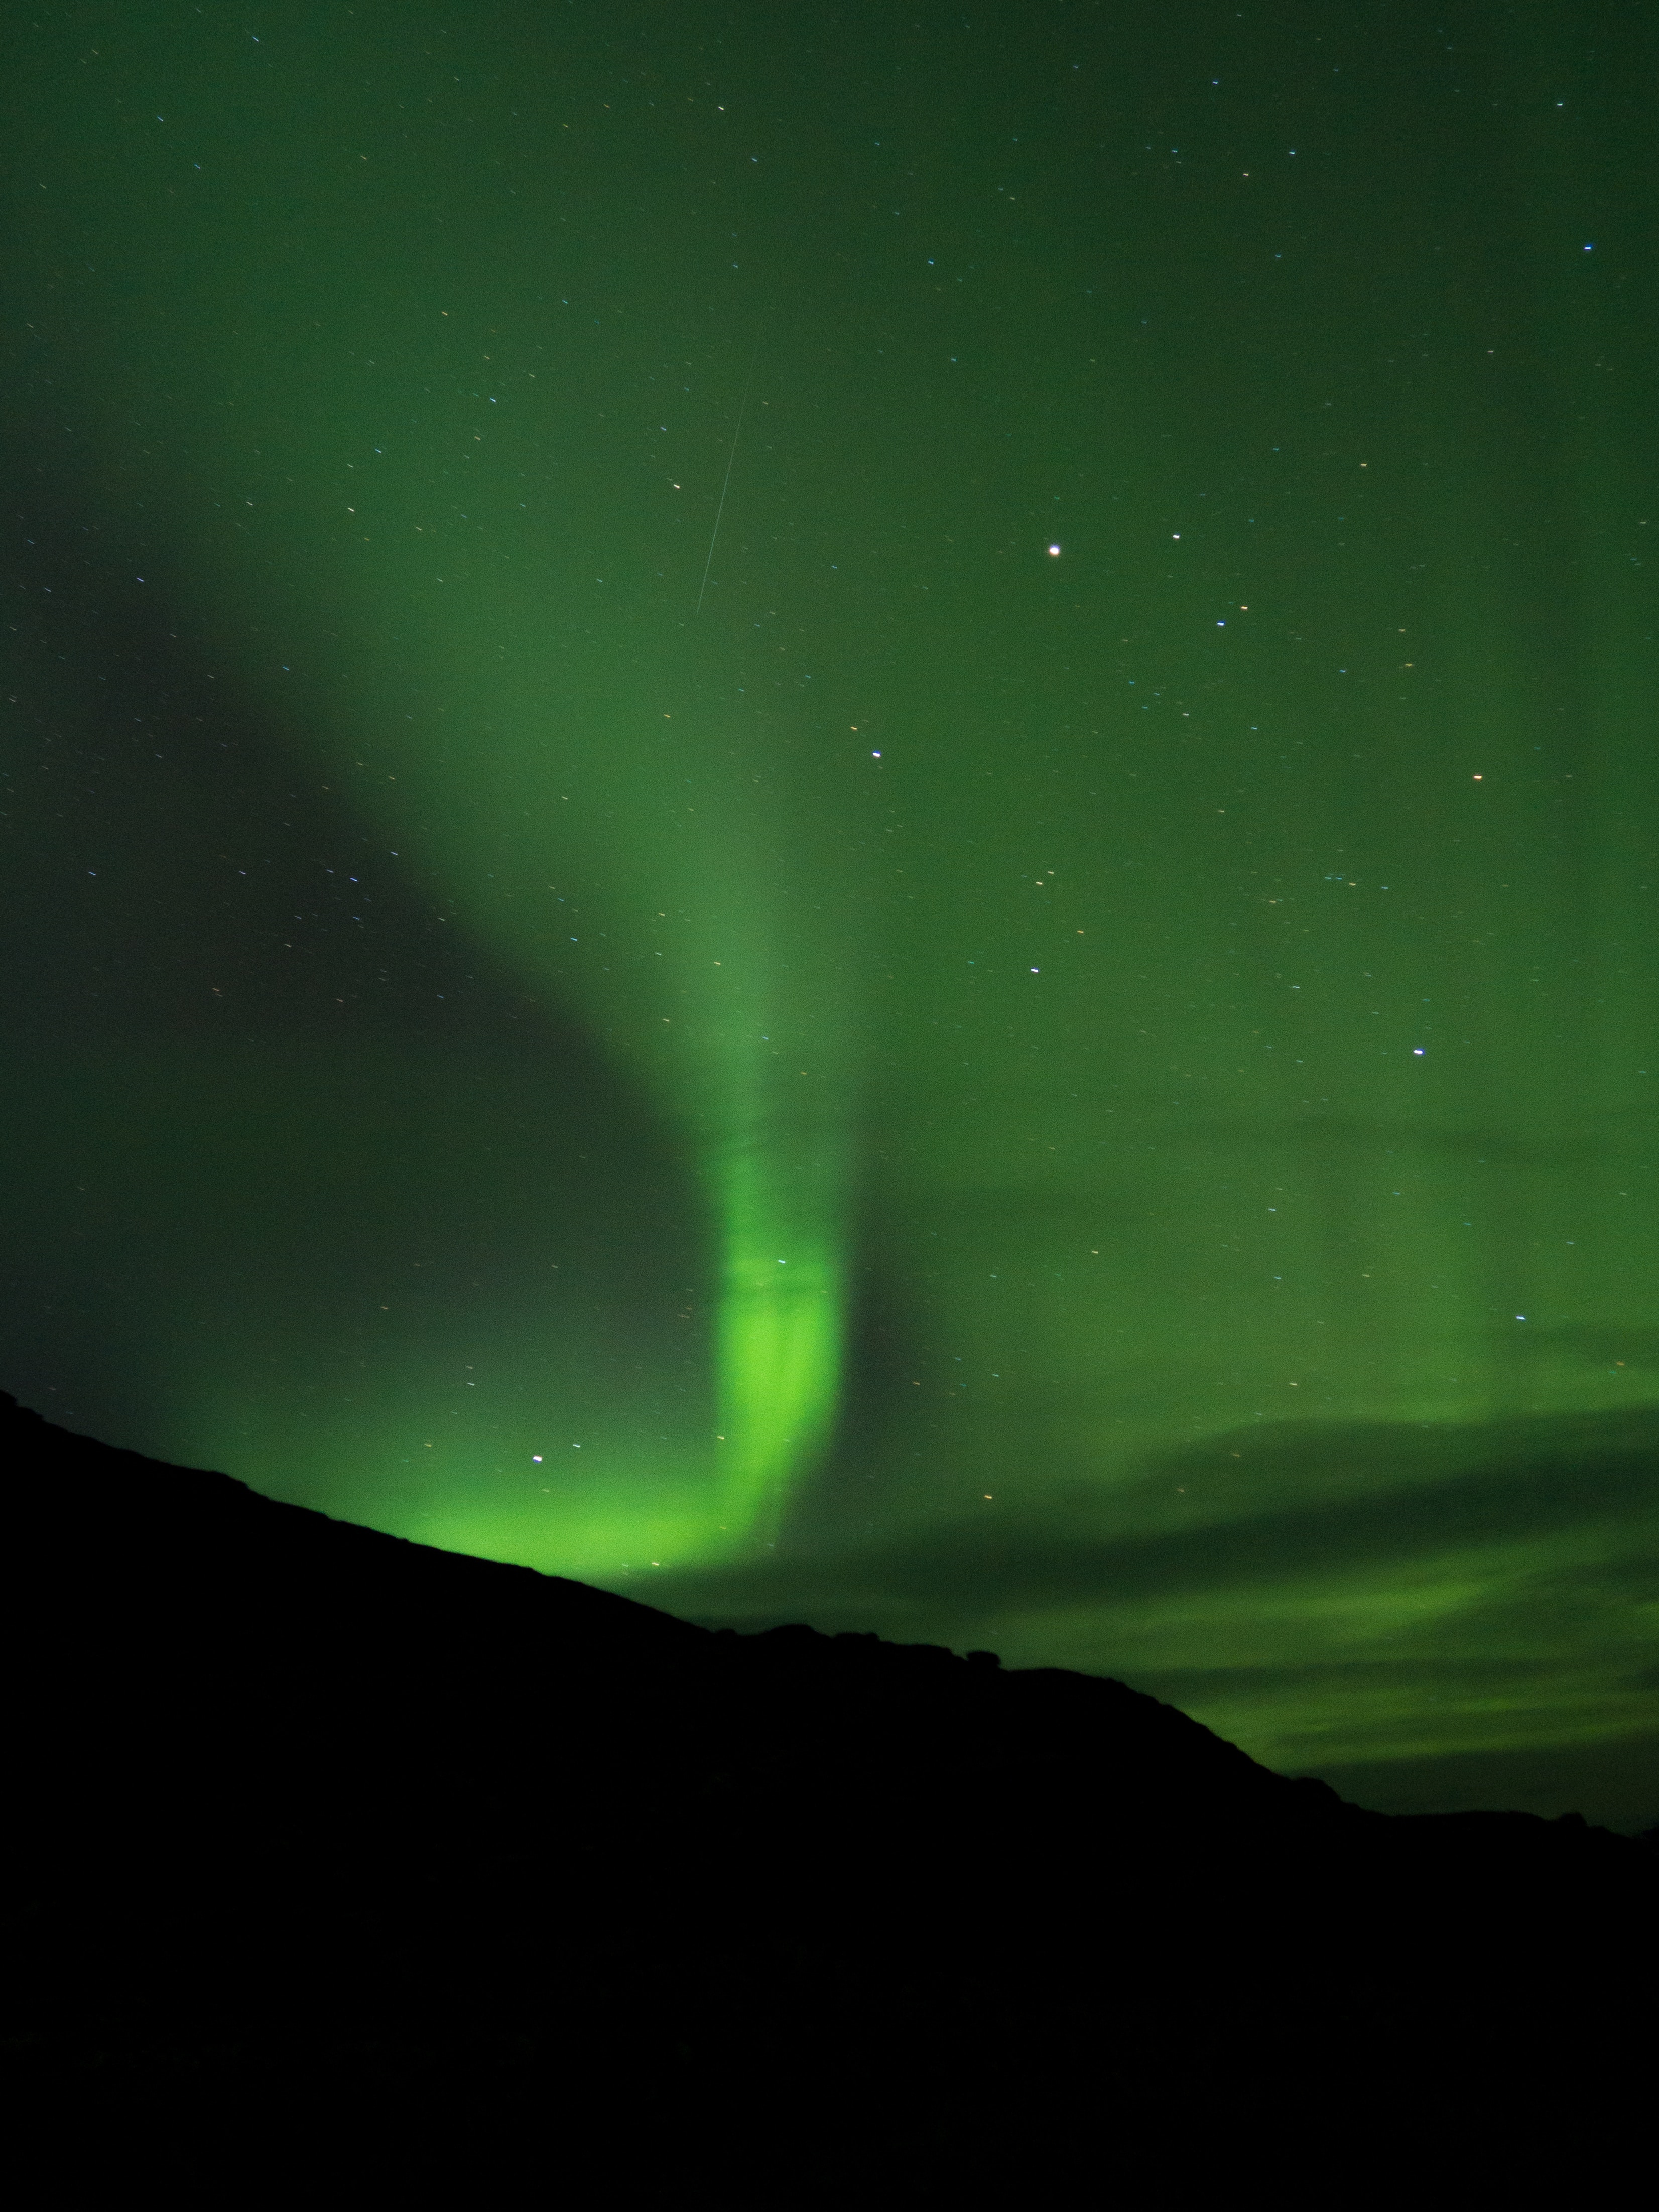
(332, 1857)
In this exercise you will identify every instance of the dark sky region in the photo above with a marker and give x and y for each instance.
(1044, 1039)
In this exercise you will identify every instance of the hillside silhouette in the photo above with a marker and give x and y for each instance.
(319, 1834)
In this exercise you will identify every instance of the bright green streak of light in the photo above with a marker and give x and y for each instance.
(779, 1339)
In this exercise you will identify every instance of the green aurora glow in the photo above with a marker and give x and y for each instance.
(1094, 1102)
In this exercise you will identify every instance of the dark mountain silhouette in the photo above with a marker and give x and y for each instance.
(321, 1839)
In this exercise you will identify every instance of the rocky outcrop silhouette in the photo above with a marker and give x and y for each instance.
(320, 1836)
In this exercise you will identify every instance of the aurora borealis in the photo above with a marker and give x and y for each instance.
(1066, 1064)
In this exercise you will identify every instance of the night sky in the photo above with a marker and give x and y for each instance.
(849, 813)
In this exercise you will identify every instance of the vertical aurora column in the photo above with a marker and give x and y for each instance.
(779, 1336)
(765, 1054)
